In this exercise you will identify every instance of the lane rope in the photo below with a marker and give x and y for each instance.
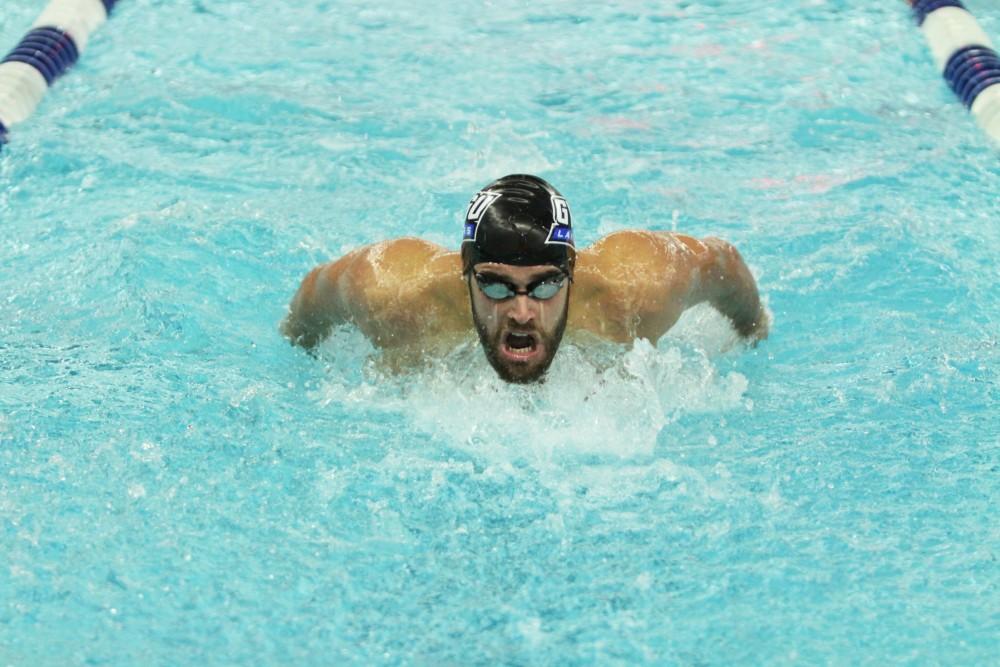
(963, 52)
(966, 57)
(54, 42)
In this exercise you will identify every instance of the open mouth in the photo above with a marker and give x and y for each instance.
(519, 346)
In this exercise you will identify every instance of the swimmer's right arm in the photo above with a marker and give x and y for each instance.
(319, 304)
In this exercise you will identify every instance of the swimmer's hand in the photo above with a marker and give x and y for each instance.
(755, 330)
(733, 291)
(297, 334)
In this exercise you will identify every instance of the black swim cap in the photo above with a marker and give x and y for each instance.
(520, 220)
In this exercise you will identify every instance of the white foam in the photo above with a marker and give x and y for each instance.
(608, 401)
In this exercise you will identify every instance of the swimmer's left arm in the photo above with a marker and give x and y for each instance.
(725, 282)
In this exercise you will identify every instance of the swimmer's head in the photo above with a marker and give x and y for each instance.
(518, 259)
(519, 220)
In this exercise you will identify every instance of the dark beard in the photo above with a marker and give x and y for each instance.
(515, 373)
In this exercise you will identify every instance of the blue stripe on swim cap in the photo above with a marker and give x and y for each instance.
(921, 8)
(561, 234)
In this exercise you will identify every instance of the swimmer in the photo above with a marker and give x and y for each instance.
(525, 285)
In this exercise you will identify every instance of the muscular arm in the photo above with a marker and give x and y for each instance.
(320, 302)
(724, 280)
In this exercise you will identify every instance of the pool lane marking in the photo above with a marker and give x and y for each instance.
(52, 45)
(965, 56)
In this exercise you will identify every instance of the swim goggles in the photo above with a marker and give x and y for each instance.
(501, 290)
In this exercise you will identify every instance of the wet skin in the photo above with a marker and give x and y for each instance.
(411, 299)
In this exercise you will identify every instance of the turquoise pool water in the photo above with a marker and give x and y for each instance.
(179, 486)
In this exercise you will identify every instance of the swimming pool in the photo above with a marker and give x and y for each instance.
(177, 484)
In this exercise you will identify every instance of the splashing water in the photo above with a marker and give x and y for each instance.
(606, 400)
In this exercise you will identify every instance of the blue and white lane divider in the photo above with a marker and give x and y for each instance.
(53, 44)
(965, 56)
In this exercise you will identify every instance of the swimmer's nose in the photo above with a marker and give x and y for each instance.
(522, 309)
